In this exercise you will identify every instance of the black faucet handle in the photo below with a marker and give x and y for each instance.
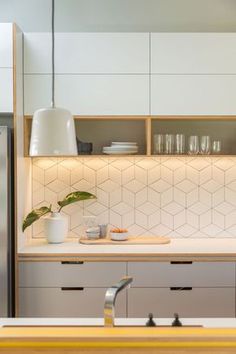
(150, 322)
(176, 322)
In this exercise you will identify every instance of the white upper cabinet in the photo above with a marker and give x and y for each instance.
(97, 53)
(6, 67)
(90, 94)
(109, 73)
(6, 90)
(193, 53)
(193, 94)
(6, 45)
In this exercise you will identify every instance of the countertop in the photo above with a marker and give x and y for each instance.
(86, 336)
(181, 249)
(124, 322)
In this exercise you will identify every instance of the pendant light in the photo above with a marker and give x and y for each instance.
(53, 129)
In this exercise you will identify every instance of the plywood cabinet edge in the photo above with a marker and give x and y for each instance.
(18, 121)
(134, 257)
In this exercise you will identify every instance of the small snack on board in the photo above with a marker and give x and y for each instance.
(118, 234)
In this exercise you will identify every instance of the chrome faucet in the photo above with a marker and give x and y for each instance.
(110, 299)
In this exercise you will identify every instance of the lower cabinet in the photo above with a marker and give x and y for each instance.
(68, 289)
(77, 289)
(187, 302)
(66, 302)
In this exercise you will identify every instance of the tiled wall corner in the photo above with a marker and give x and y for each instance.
(175, 196)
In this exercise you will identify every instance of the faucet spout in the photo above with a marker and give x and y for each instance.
(110, 299)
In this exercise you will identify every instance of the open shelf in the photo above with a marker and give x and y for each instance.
(102, 130)
(224, 130)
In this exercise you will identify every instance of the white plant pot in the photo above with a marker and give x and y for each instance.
(56, 227)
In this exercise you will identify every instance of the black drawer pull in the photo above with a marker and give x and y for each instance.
(72, 288)
(179, 288)
(72, 262)
(184, 262)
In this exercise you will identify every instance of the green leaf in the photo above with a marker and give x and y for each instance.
(34, 215)
(75, 197)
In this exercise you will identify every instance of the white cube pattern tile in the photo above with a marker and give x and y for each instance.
(180, 197)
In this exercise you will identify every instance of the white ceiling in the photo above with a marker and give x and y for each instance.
(122, 15)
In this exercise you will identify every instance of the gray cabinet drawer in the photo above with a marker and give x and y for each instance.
(194, 274)
(55, 302)
(198, 302)
(57, 274)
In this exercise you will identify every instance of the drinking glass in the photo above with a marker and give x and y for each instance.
(216, 147)
(158, 144)
(169, 143)
(103, 230)
(193, 145)
(205, 146)
(88, 221)
(179, 144)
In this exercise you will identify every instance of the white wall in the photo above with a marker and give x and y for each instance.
(174, 196)
(122, 15)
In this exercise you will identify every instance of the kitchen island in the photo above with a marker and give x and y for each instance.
(130, 336)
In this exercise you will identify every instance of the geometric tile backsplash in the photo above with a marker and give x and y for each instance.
(181, 196)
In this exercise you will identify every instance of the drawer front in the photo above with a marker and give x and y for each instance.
(55, 302)
(171, 274)
(198, 302)
(58, 274)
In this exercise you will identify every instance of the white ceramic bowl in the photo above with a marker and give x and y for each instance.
(92, 235)
(119, 236)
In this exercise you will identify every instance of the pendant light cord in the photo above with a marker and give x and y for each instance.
(53, 57)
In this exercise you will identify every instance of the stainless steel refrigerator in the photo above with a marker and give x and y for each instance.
(6, 222)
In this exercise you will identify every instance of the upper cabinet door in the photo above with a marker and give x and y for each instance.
(6, 67)
(6, 90)
(6, 45)
(193, 94)
(96, 53)
(90, 94)
(193, 53)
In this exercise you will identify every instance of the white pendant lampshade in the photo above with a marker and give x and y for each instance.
(53, 129)
(53, 133)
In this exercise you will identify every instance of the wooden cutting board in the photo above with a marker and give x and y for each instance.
(132, 240)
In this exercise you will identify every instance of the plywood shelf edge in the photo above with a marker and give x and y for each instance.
(148, 126)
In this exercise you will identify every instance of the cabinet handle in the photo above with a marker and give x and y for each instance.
(72, 262)
(179, 288)
(68, 288)
(184, 262)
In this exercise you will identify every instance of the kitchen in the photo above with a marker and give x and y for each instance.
(132, 177)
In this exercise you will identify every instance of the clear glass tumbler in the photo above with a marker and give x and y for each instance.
(179, 144)
(193, 145)
(158, 144)
(216, 147)
(205, 146)
(169, 144)
(88, 222)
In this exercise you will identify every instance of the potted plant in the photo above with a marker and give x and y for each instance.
(55, 224)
